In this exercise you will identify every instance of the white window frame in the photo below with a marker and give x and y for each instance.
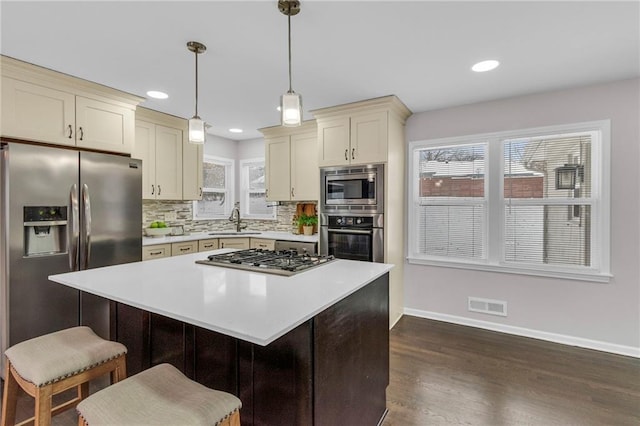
(228, 163)
(495, 213)
(244, 191)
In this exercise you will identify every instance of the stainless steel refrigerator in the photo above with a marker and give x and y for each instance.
(62, 210)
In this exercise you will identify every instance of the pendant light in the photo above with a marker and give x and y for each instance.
(290, 102)
(196, 125)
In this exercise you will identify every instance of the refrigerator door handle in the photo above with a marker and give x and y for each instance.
(86, 234)
(73, 228)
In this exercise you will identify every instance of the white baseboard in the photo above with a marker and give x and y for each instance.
(525, 332)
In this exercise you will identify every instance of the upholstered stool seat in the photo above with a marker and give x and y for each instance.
(50, 364)
(161, 395)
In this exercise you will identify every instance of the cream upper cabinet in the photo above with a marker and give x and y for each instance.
(277, 168)
(291, 163)
(41, 105)
(159, 146)
(104, 126)
(192, 173)
(359, 133)
(357, 139)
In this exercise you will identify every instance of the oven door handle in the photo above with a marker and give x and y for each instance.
(351, 231)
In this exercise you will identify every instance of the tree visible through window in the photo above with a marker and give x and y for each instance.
(217, 192)
(528, 201)
(254, 203)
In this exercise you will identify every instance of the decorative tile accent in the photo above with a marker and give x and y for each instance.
(155, 210)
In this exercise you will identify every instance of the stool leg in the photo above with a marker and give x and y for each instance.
(43, 406)
(120, 372)
(9, 397)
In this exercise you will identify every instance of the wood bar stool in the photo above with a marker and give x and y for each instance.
(47, 365)
(161, 395)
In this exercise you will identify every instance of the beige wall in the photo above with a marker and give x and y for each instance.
(605, 316)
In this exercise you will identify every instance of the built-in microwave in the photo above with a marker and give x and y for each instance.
(355, 189)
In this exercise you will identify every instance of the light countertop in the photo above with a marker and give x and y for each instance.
(252, 306)
(270, 235)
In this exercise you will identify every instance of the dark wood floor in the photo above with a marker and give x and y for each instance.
(445, 374)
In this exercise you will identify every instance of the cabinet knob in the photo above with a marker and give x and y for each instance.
(153, 190)
(353, 154)
(159, 189)
(81, 133)
(292, 193)
(70, 131)
(346, 154)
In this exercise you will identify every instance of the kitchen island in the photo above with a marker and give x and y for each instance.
(312, 348)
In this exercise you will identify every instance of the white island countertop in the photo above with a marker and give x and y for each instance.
(251, 306)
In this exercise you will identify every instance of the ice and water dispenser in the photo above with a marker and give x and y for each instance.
(45, 230)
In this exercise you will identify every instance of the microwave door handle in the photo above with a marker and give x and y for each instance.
(351, 231)
(86, 203)
(73, 228)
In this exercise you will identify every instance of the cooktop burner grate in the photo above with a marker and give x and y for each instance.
(284, 262)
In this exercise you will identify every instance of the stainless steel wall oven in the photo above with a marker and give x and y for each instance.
(352, 212)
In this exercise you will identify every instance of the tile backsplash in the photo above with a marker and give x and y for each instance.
(155, 210)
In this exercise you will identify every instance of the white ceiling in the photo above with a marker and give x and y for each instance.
(343, 51)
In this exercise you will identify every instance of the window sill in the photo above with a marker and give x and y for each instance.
(593, 276)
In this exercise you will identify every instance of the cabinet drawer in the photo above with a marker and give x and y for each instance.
(206, 245)
(184, 248)
(237, 243)
(156, 251)
(263, 244)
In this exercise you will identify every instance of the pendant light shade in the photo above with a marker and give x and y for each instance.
(196, 125)
(290, 102)
(291, 107)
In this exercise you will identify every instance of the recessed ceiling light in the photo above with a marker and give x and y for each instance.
(485, 65)
(157, 95)
(235, 130)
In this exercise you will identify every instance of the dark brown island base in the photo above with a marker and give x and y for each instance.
(331, 370)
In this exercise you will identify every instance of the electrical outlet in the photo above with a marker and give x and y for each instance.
(170, 216)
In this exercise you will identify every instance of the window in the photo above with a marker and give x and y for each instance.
(217, 192)
(530, 201)
(253, 203)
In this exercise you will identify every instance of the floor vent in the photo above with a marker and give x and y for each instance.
(487, 306)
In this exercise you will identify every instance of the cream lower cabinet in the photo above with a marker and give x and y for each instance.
(291, 166)
(160, 149)
(156, 251)
(262, 244)
(185, 247)
(44, 106)
(236, 243)
(210, 244)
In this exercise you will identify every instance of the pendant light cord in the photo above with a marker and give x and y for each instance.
(289, 25)
(196, 53)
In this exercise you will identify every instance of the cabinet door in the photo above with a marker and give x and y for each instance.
(37, 113)
(104, 126)
(156, 251)
(144, 149)
(277, 173)
(236, 243)
(305, 173)
(168, 163)
(186, 247)
(207, 245)
(191, 171)
(262, 244)
(369, 138)
(333, 142)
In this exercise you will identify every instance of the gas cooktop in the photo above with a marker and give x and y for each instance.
(283, 262)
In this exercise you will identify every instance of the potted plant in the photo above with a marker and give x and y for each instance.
(307, 222)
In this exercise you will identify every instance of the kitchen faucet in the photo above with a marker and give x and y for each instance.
(235, 216)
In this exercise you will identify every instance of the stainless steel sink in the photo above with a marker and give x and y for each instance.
(223, 233)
